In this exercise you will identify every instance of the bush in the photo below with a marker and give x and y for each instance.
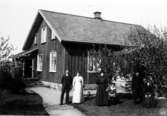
(8, 83)
(17, 71)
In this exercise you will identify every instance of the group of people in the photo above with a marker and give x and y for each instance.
(108, 90)
(76, 84)
(143, 88)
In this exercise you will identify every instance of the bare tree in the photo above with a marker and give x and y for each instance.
(5, 48)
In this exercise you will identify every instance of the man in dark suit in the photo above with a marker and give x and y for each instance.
(137, 83)
(137, 87)
(66, 86)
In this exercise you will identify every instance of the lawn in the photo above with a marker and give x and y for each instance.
(21, 104)
(126, 108)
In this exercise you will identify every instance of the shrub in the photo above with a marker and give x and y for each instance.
(7, 82)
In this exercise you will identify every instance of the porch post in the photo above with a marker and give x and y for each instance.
(32, 68)
(23, 68)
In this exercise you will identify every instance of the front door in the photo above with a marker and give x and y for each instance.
(28, 68)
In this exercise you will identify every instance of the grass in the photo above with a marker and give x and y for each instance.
(21, 104)
(126, 108)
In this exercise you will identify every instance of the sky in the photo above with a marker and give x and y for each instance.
(17, 16)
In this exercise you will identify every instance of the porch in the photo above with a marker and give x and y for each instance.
(26, 62)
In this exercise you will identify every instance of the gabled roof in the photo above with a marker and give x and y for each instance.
(72, 28)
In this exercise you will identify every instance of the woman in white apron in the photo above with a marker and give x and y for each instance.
(77, 88)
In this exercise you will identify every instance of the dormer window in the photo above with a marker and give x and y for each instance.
(43, 34)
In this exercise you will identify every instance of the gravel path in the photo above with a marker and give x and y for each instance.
(51, 101)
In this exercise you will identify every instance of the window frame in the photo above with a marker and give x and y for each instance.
(95, 70)
(53, 35)
(40, 62)
(35, 39)
(52, 61)
(44, 34)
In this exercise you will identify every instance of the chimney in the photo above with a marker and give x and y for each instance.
(97, 15)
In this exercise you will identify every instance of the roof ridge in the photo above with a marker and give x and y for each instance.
(88, 17)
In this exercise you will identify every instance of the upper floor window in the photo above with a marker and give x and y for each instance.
(39, 62)
(53, 61)
(43, 34)
(53, 35)
(93, 62)
(35, 39)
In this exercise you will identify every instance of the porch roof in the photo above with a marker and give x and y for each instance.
(26, 53)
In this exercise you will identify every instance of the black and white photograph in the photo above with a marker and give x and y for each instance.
(83, 57)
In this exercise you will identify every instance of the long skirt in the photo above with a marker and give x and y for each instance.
(101, 95)
(77, 93)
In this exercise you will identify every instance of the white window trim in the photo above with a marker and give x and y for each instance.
(43, 34)
(93, 71)
(88, 64)
(39, 62)
(53, 35)
(35, 39)
(52, 66)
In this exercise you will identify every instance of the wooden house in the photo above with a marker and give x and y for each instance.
(59, 41)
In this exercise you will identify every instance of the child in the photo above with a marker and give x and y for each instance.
(111, 93)
(149, 100)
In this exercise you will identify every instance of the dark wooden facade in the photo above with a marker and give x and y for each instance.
(45, 49)
(76, 59)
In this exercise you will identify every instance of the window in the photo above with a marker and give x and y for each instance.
(35, 39)
(39, 62)
(43, 34)
(53, 36)
(53, 61)
(93, 62)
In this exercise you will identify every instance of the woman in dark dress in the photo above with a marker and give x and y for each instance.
(101, 95)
